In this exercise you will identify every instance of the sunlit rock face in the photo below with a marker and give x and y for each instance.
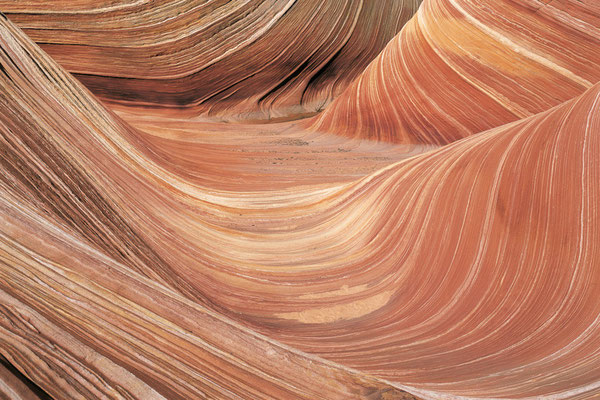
(433, 233)
(463, 66)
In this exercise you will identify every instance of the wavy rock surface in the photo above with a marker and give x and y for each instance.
(130, 268)
(231, 59)
(463, 66)
(89, 308)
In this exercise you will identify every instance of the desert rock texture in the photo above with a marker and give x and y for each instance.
(300, 199)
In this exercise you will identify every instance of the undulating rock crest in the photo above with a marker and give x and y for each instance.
(144, 254)
(88, 307)
(463, 66)
(237, 59)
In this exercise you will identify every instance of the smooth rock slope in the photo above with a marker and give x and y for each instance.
(434, 233)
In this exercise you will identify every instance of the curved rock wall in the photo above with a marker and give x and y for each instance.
(145, 253)
(463, 66)
(228, 59)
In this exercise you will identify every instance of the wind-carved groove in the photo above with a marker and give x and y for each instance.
(29, 386)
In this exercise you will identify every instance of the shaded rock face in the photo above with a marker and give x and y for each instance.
(432, 233)
(253, 60)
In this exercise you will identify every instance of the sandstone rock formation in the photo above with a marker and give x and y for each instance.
(233, 59)
(404, 243)
(463, 66)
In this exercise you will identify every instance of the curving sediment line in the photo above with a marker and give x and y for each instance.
(469, 271)
(460, 67)
(227, 59)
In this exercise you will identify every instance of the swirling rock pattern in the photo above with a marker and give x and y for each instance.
(110, 317)
(232, 59)
(463, 66)
(145, 253)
